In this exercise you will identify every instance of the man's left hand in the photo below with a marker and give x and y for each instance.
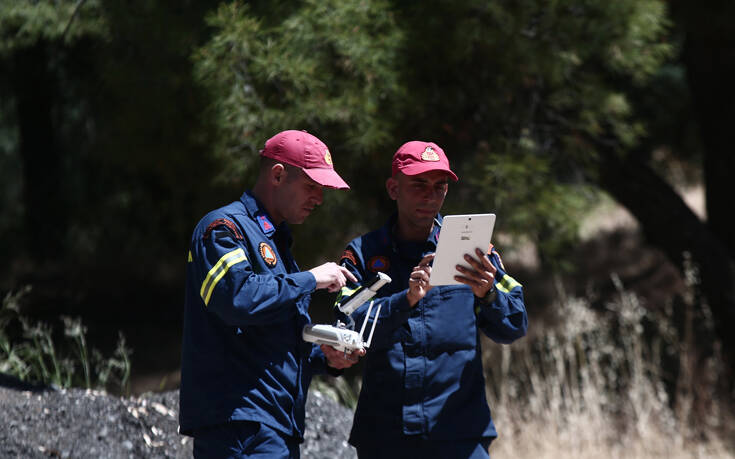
(339, 359)
(482, 275)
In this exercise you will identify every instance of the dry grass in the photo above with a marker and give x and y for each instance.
(624, 382)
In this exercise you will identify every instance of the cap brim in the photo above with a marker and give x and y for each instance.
(415, 169)
(327, 177)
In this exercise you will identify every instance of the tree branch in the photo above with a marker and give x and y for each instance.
(74, 13)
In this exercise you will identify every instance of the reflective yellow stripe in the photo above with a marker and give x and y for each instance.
(507, 284)
(345, 291)
(190, 259)
(218, 271)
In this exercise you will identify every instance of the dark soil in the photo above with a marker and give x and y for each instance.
(41, 422)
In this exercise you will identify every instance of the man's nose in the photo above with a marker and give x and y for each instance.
(433, 195)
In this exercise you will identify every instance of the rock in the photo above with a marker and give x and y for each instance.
(327, 428)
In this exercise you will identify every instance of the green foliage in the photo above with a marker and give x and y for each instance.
(127, 138)
(516, 93)
(528, 87)
(36, 39)
(533, 202)
(327, 67)
(23, 23)
(38, 356)
(511, 89)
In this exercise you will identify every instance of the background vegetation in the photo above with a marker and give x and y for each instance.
(123, 122)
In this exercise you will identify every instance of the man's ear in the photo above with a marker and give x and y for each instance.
(391, 185)
(278, 174)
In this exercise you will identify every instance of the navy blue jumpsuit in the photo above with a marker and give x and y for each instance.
(423, 383)
(243, 358)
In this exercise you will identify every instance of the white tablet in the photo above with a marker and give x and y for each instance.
(460, 234)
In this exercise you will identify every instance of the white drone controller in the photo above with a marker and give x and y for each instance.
(340, 336)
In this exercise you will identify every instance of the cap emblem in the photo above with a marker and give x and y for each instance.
(328, 157)
(429, 155)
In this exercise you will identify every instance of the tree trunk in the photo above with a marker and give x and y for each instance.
(45, 216)
(670, 225)
(709, 57)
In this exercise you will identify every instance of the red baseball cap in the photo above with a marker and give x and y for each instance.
(416, 157)
(301, 149)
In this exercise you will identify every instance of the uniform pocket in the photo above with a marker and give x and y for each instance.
(450, 320)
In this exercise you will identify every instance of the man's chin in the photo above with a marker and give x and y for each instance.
(422, 222)
(426, 217)
(426, 214)
(299, 219)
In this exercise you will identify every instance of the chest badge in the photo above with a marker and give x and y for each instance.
(267, 254)
(378, 263)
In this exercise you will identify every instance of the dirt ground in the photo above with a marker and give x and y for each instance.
(44, 422)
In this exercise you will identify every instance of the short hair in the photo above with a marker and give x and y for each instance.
(292, 172)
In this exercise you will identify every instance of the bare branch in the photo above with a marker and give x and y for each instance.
(77, 7)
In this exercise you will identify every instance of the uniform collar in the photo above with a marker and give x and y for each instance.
(391, 241)
(435, 230)
(257, 212)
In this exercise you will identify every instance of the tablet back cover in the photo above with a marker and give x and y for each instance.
(460, 234)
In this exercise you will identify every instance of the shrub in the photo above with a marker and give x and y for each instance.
(628, 381)
(32, 352)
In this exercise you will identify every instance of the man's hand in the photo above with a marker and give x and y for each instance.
(331, 276)
(338, 359)
(418, 281)
(482, 275)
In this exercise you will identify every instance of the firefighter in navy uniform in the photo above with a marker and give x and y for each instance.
(245, 368)
(423, 389)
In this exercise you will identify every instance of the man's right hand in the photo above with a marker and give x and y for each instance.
(332, 276)
(340, 359)
(418, 281)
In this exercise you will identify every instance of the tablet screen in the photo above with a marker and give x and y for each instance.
(460, 234)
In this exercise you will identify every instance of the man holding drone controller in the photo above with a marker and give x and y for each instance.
(423, 389)
(245, 369)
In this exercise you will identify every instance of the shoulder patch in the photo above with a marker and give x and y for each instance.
(378, 263)
(265, 224)
(267, 254)
(222, 222)
(349, 255)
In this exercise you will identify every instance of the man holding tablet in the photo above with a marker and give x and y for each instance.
(423, 390)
